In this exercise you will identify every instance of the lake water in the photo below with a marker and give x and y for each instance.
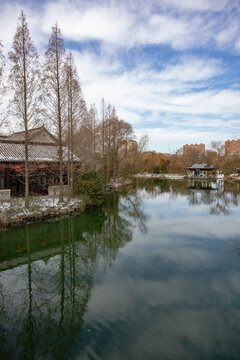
(152, 274)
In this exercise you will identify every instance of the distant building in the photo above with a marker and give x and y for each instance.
(128, 146)
(194, 148)
(232, 147)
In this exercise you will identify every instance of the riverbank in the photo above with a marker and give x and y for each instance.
(161, 176)
(234, 177)
(13, 212)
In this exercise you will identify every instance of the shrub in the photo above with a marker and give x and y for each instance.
(91, 185)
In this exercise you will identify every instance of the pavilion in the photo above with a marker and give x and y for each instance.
(201, 170)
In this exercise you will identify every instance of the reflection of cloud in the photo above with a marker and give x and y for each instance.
(175, 293)
(162, 314)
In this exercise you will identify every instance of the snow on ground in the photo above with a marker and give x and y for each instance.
(234, 176)
(14, 209)
(161, 176)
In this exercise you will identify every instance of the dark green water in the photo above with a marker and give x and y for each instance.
(153, 274)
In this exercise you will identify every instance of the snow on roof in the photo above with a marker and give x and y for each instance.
(11, 152)
(201, 167)
(32, 133)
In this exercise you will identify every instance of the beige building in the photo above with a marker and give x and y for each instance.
(128, 146)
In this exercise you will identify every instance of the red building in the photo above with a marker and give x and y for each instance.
(232, 147)
(194, 148)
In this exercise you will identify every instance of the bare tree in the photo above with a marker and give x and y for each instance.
(219, 147)
(94, 138)
(117, 133)
(75, 112)
(24, 78)
(2, 85)
(108, 140)
(87, 142)
(55, 92)
(103, 132)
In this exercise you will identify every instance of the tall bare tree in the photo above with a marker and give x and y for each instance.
(76, 109)
(55, 92)
(116, 134)
(24, 78)
(103, 132)
(94, 138)
(2, 85)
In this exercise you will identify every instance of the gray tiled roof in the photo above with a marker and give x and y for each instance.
(201, 167)
(34, 133)
(11, 152)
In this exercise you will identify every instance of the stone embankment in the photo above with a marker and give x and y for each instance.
(13, 212)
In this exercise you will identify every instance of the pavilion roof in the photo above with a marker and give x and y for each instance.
(204, 166)
(15, 152)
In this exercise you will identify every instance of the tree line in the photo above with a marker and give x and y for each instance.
(50, 93)
(177, 161)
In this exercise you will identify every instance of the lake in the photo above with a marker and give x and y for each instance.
(152, 274)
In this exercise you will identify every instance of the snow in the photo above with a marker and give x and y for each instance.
(14, 209)
(161, 176)
(234, 176)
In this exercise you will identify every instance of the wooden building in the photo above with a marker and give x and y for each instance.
(43, 162)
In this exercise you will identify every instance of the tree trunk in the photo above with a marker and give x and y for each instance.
(25, 125)
(59, 133)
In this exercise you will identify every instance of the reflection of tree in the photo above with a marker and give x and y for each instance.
(220, 197)
(28, 329)
(236, 247)
(221, 200)
(44, 316)
(4, 348)
(132, 208)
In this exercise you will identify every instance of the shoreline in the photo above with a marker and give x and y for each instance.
(42, 208)
(234, 177)
(13, 213)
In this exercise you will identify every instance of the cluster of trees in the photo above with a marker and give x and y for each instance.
(51, 93)
(177, 162)
(215, 155)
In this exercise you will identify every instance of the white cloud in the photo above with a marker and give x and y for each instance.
(225, 35)
(192, 69)
(175, 94)
(172, 90)
(199, 5)
(127, 25)
(95, 22)
(170, 139)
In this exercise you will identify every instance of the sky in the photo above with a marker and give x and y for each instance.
(171, 68)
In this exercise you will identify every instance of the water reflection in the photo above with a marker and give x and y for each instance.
(47, 276)
(220, 197)
(143, 277)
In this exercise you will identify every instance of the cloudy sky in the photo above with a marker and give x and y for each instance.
(170, 67)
